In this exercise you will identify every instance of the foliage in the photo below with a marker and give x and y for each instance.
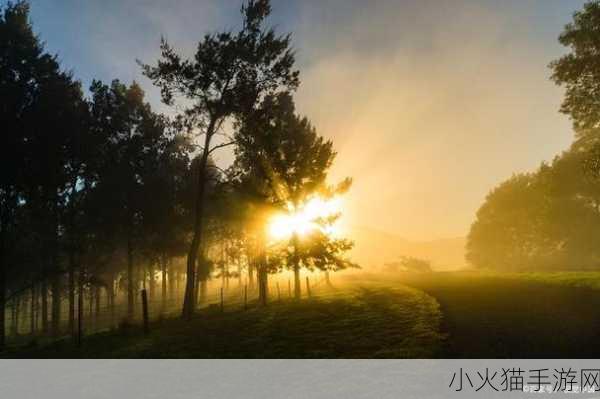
(228, 75)
(549, 219)
(99, 193)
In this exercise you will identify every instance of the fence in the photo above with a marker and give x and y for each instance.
(98, 315)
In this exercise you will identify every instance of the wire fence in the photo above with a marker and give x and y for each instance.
(97, 314)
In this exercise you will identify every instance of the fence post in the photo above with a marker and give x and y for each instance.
(307, 287)
(278, 292)
(221, 299)
(145, 311)
(246, 296)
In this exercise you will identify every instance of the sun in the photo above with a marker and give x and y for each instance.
(303, 220)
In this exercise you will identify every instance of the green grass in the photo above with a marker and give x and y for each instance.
(529, 315)
(373, 322)
(451, 314)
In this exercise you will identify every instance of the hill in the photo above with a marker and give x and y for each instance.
(374, 247)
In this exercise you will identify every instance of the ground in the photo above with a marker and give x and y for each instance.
(453, 314)
(541, 315)
(378, 321)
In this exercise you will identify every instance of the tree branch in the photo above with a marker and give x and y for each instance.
(221, 146)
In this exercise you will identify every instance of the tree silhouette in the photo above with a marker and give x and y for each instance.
(578, 70)
(44, 116)
(285, 161)
(133, 138)
(229, 73)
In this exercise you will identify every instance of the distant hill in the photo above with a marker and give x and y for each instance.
(373, 248)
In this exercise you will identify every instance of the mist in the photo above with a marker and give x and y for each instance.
(427, 111)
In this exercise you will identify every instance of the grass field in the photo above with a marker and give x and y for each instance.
(530, 315)
(378, 321)
(452, 314)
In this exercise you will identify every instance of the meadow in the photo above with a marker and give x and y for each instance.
(351, 322)
(403, 315)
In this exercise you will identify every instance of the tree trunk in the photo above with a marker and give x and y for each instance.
(17, 314)
(13, 317)
(263, 286)
(71, 293)
(80, 303)
(296, 261)
(44, 295)
(327, 279)
(163, 270)
(151, 283)
(297, 283)
(3, 258)
(251, 268)
(98, 298)
(110, 297)
(130, 282)
(203, 290)
(56, 303)
(239, 270)
(32, 309)
(226, 264)
(55, 272)
(171, 280)
(263, 277)
(223, 262)
(188, 299)
(198, 280)
(91, 302)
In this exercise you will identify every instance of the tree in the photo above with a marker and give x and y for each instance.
(543, 220)
(508, 231)
(132, 139)
(166, 216)
(409, 264)
(42, 113)
(229, 73)
(285, 162)
(17, 44)
(579, 70)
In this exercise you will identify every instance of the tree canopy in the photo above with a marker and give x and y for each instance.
(101, 196)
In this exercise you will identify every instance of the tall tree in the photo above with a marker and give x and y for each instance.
(17, 44)
(133, 138)
(283, 159)
(42, 113)
(229, 73)
(579, 70)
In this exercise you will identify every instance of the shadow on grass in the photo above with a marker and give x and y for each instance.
(491, 316)
(360, 323)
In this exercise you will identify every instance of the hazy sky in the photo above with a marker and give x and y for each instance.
(430, 103)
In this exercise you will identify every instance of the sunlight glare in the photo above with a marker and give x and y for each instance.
(304, 220)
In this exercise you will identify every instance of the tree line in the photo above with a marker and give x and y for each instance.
(102, 196)
(549, 219)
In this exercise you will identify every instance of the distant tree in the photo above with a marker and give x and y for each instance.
(413, 264)
(409, 264)
(508, 233)
(229, 73)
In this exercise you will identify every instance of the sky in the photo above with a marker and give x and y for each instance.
(430, 104)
